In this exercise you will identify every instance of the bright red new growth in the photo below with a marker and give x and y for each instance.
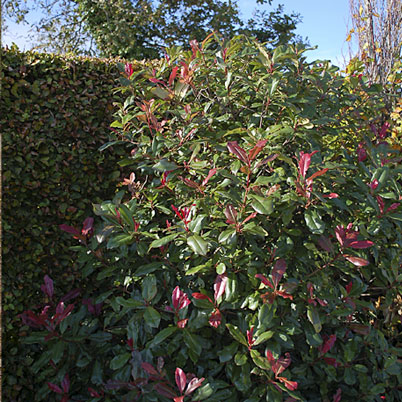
(180, 379)
(348, 238)
(328, 344)
(277, 274)
(239, 152)
(179, 299)
(278, 366)
(220, 286)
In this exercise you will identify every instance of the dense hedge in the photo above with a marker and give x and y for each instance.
(55, 113)
(255, 251)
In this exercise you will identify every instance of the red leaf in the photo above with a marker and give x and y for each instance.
(316, 174)
(360, 244)
(270, 357)
(54, 388)
(290, 385)
(165, 390)
(69, 229)
(179, 299)
(348, 287)
(264, 280)
(327, 346)
(215, 319)
(193, 385)
(181, 379)
(325, 244)
(231, 214)
(331, 195)
(210, 174)
(304, 162)
(71, 295)
(251, 216)
(201, 296)
(66, 383)
(64, 399)
(189, 183)
(338, 395)
(173, 75)
(278, 271)
(235, 149)
(220, 286)
(381, 204)
(257, 149)
(331, 361)
(47, 288)
(393, 206)
(359, 262)
(94, 393)
(250, 340)
(179, 399)
(182, 323)
(87, 226)
(281, 364)
(284, 294)
(149, 368)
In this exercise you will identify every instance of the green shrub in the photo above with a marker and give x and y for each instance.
(254, 251)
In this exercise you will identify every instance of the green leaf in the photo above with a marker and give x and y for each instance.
(314, 318)
(236, 334)
(149, 288)
(263, 337)
(262, 205)
(57, 351)
(100, 337)
(198, 268)
(148, 268)
(191, 341)
(161, 336)
(119, 240)
(227, 352)
(119, 360)
(164, 240)
(381, 174)
(228, 236)
(240, 359)
(260, 361)
(314, 221)
(160, 92)
(152, 317)
(198, 244)
(130, 303)
(163, 165)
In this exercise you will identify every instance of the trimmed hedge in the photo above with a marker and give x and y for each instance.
(55, 113)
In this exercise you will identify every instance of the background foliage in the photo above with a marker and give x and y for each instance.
(254, 250)
(142, 28)
(55, 113)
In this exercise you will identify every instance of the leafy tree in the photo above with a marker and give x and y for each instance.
(142, 28)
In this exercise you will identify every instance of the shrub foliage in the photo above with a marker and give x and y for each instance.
(252, 254)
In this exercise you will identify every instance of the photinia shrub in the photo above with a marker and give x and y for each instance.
(252, 254)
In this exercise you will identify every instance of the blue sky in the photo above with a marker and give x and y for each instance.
(324, 23)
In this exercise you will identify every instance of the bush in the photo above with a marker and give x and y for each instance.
(253, 252)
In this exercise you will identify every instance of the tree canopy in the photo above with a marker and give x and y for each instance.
(143, 28)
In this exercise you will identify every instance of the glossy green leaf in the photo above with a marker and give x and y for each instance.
(314, 318)
(198, 244)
